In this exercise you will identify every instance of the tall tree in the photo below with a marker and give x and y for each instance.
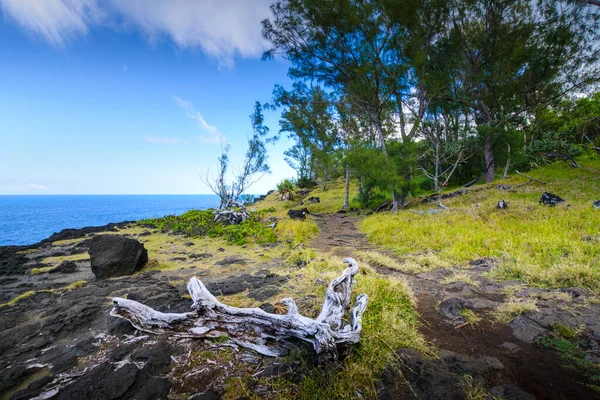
(308, 118)
(509, 56)
(347, 45)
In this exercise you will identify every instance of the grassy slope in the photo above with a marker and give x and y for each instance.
(332, 200)
(545, 246)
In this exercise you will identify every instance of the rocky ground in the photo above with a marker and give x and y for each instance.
(57, 339)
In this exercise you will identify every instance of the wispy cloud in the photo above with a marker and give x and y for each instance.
(157, 139)
(223, 29)
(36, 186)
(58, 21)
(125, 68)
(211, 133)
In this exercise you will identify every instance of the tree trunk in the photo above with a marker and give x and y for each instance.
(507, 164)
(489, 159)
(437, 167)
(268, 334)
(347, 192)
(380, 135)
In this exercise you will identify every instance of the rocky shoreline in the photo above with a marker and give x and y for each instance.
(57, 339)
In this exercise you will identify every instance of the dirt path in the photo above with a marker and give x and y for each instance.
(527, 366)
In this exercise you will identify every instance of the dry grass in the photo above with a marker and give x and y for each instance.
(459, 277)
(512, 308)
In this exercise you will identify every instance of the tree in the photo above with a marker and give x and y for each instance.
(347, 45)
(509, 57)
(253, 168)
(308, 118)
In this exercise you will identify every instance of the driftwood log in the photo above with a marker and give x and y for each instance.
(227, 214)
(253, 328)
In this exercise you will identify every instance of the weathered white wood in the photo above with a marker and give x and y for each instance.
(253, 328)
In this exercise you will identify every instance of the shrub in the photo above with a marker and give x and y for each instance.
(286, 189)
(201, 223)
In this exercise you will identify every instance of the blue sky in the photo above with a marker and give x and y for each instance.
(118, 97)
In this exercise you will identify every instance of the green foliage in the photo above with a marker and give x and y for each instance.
(286, 189)
(382, 173)
(200, 223)
(568, 349)
(305, 182)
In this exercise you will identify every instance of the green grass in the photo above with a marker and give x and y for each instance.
(543, 246)
(389, 323)
(332, 199)
(76, 285)
(20, 297)
(296, 231)
(35, 271)
(470, 316)
(566, 345)
(410, 263)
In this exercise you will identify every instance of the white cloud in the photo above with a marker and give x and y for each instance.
(57, 21)
(125, 68)
(222, 29)
(156, 139)
(36, 186)
(211, 133)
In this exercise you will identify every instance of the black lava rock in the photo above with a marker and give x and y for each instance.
(550, 199)
(113, 255)
(298, 214)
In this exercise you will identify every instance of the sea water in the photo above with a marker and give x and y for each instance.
(29, 219)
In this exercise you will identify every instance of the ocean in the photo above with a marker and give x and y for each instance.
(29, 219)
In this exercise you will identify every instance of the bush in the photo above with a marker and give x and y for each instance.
(305, 183)
(286, 189)
(201, 223)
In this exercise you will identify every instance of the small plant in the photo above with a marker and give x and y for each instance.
(511, 309)
(286, 190)
(564, 331)
(470, 316)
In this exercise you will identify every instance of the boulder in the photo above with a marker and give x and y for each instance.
(298, 214)
(113, 255)
(450, 308)
(550, 199)
(313, 200)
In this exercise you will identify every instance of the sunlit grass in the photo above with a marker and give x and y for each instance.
(459, 277)
(389, 323)
(296, 231)
(332, 198)
(18, 298)
(41, 270)
(547, 246)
